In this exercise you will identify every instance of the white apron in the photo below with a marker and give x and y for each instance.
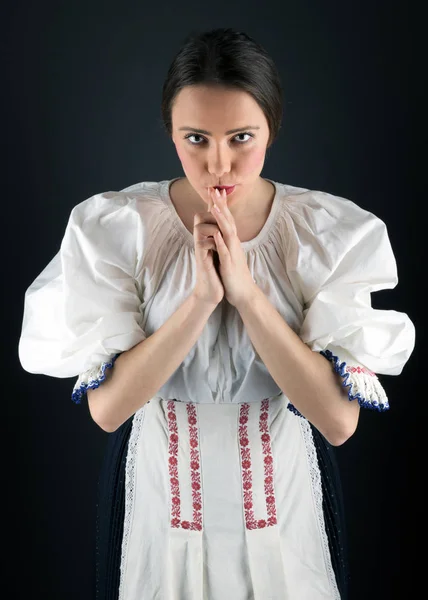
(223, 502)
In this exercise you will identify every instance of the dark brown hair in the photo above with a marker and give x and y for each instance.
(229, 59)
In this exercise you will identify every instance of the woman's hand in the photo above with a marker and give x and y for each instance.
(209, 287)
(236, 278)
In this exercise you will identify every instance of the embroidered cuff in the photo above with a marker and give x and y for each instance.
(91, 379)
(294, 410)
(363, 385)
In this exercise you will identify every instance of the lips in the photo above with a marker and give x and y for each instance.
(227, 189)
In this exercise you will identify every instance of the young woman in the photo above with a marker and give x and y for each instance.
(226, 341)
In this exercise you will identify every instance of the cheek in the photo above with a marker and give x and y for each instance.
(254, 161)
(180, 153)
(185, 159)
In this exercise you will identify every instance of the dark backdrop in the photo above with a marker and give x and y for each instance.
(83, 89)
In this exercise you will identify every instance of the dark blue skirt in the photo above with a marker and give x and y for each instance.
(111, 512)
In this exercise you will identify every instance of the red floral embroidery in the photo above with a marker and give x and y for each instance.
(195, 474)
(250, 520)
(360, 370)
(247, 479)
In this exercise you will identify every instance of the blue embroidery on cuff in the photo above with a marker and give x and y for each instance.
(341, 369)
(294, 410)
(80, 392)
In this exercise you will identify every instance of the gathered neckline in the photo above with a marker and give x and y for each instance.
(188, 237)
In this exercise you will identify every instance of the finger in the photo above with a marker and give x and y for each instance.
(216, 206)
(211, 198)
(206, 229)
(223, 210)
(223, 203)
(218, 238)
(208, 244)
(220, 195)
(221, 245)
(204, 217)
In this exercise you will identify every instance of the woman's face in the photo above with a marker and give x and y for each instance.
(214, 157)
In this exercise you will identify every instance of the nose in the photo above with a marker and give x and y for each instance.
(219, 161)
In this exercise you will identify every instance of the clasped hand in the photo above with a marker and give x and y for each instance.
(239, 285)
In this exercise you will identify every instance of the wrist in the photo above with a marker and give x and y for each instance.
(203, 303)
(249, 298)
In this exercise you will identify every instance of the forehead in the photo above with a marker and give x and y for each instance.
(198, 105)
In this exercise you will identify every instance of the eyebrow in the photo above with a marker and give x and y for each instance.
(226, 133)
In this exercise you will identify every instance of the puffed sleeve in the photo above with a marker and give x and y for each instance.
(337, 255)
(83, 309)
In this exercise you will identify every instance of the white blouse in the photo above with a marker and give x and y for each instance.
(125, 265)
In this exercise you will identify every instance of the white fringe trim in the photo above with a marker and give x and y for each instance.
(363, 384)
(90, 379)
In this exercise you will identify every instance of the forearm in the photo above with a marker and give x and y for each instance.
(305, 377)
(140, 372)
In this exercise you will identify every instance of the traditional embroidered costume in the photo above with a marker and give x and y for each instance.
(218, 488)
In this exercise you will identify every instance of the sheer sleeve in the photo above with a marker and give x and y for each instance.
(83, 309)
(338, 254)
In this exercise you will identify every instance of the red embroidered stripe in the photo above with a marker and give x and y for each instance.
(360, 370)
(246, 468)
(195, 473)
(247, 479)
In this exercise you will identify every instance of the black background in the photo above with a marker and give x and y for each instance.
(82, 85)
